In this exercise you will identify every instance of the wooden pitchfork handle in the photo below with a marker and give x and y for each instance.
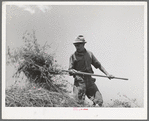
(84, 73)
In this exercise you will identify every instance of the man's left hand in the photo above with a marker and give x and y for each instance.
(110, 76)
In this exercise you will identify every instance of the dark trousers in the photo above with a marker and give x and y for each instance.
(85, 86)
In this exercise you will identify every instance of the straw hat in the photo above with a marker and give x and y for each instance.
(79, 39)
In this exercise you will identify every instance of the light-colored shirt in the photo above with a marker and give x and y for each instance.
(83, 61)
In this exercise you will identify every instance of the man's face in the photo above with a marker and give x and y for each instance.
(79, 46)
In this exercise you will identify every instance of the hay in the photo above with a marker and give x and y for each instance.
(34, 96)
(40, 68)
(38, 64)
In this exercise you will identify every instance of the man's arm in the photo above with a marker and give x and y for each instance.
(105, 72)
(97, 64)
(101, 68)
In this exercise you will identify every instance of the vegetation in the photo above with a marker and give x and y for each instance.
(38, 66)
(34, 96)
(123, 101)
(44, 85)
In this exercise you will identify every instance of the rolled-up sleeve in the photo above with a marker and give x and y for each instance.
(71, 62)
(95, 62)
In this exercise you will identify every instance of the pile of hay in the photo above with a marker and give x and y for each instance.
(41, 69)
(34, 96)
(38, 64)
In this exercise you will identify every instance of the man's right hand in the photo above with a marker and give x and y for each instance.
(72, 71)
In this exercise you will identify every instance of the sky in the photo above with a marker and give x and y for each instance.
(114, 33)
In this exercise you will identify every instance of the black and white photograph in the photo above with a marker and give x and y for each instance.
(74, 60)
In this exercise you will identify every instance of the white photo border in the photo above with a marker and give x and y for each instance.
(70, 113)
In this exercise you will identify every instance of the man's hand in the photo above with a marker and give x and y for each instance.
(106, 73)
(110, 76)
(72, 71)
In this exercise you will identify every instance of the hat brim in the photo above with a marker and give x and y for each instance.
(79, 42)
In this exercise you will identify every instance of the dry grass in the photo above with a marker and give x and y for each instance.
(37, 64)
(40, 69)
(33, 96)
(123, 101)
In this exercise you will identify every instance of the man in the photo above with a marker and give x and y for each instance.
(82, 60)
